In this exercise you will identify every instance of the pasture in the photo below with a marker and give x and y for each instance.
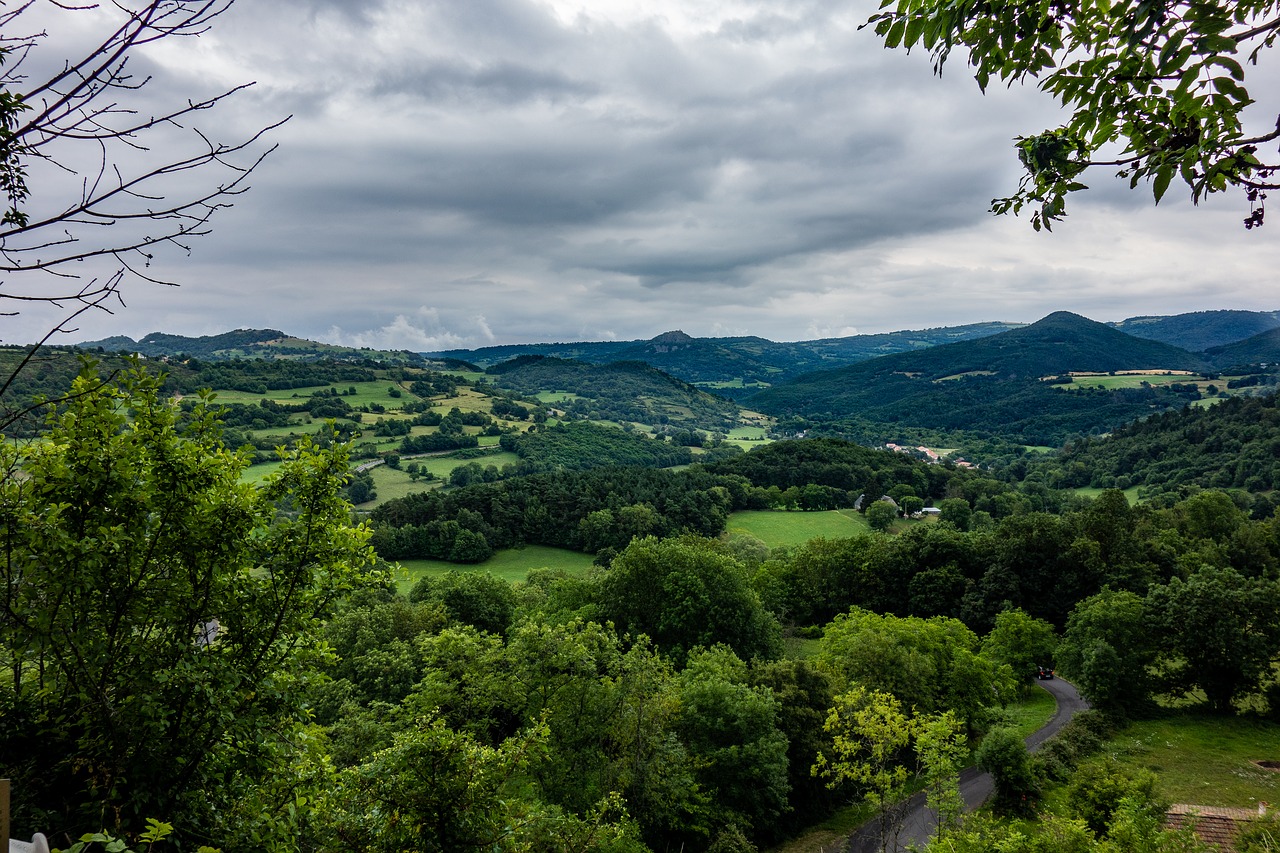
(777, 527)
(1208, 760)
(1130, 494)
(512, 565)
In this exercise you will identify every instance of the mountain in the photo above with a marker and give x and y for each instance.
(1259, 349)
(993, 384)
(737, 366)
(242, 343)
(1199, 331)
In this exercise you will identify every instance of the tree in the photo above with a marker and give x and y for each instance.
(1004, 755)
(88, 121)
(881, 515)
(1021, 642)
(1108, 649)
(159, 617)
(870, 735)
(684, 593)
(941, 748)
(1221, 629)
(1157, 91)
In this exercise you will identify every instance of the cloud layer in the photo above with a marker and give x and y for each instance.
(459, 174)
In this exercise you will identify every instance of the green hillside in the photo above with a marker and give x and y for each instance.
(1262, 348)
(1201, 330)
(736, 366)
(242, 343)
(1234, 444)
(626, 392)
(994, 385)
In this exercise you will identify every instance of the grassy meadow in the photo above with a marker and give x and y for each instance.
(1203, 759)
(777, 528)
(512, 565)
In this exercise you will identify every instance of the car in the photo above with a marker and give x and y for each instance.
(1044, 673)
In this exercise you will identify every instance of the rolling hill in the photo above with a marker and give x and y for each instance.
(736, 361)
(625, 391)
(1199, 331)
(1263, 348)
(992, 385)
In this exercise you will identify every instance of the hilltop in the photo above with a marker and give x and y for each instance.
(242, 344)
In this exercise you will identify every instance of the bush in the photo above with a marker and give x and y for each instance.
(1004, 755)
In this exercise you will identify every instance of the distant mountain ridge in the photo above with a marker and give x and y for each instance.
(1200, 331)
(974, 385)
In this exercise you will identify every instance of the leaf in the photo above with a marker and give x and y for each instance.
(1161, 183)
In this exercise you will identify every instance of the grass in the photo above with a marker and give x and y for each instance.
(1204, 759)
(258, 473)
(1130, 494)
(366, 392)
(1030, 714)
(512, 565)
(775, 528)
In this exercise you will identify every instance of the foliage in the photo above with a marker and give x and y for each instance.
(581, 445)
(161, 616)
(942, 750)
(1230, 445)
(1021, 642)
(1158, 92)
(684, 593)
(870, 736)
(550, 509)
(881, 515)
(993, 384)
(929, 665)
(1108, 649)
(1003, 754)
(1220, 631)
(629, 391)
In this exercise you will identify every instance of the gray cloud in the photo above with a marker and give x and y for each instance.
(503, 170)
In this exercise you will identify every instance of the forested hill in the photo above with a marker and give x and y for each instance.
(993, 385)
(747, 358)
(241, 344)
(1235, 443)
(627, 391)
(1201, 330)
(1263, 348)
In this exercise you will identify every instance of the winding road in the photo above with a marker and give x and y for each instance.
(920, 821)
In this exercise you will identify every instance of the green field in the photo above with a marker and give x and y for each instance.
(1137, 380)
(556, 397)
(775, 528)
(1131, 494)
(511, 565)
(1033, 711)
(1203, 759)
(366, 392)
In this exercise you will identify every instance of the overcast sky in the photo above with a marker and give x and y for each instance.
(459, 173)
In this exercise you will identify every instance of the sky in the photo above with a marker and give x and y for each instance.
(462, 173)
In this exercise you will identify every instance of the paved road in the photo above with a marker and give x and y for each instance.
(920, 821)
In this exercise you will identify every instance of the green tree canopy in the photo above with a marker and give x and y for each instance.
(1157, 91)
(159, 614)
(687, 592)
